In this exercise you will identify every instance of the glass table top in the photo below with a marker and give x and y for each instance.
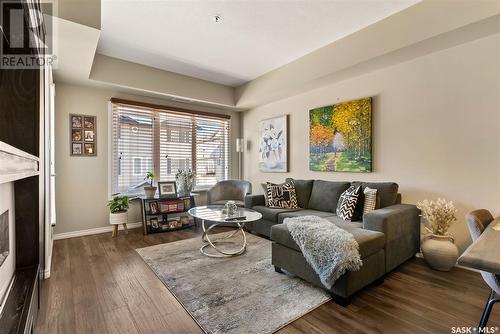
(214, 213)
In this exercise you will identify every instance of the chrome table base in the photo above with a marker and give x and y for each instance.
(222, 240)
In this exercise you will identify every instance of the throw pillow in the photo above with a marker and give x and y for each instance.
(358, 210)
(370, 200)
(264, 187)
(347, 202)
(281, 195)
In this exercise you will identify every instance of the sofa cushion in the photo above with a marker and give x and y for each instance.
(271, 214)
(387, 192)
(346, 225)
(303, 190)
(369, 242)
(281, 235)
(307, 212)
(325, 195)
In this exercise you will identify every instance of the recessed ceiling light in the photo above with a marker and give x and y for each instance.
(217, 19)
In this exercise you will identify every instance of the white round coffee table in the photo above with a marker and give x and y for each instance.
(213, 213)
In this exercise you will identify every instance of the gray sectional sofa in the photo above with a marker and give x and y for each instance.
(387, 237)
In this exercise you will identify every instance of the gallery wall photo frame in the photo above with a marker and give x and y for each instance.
(83, 135)
(273, 144)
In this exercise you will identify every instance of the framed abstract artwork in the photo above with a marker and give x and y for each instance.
(273, 145)
(340, 137)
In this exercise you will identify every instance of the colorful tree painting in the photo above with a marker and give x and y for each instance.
(341, 137)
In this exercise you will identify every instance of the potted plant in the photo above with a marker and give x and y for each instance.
(438, 246)
(150, 190)
(118, 207)
(185, 179)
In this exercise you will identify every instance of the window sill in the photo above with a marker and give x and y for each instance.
(203, 189)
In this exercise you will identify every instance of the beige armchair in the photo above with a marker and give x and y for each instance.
(234, 190)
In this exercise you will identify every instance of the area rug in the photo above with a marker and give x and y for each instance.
(241, 294)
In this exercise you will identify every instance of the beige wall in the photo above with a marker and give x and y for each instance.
(86, 12)
(82, 182)
(436, 125)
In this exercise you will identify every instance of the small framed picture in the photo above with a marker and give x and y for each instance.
(167, 189)
(76, 121)
(89, 135)
(153, 207)
(184, 220)
(76, 149)
(89, 149)
(154, 223)
(76, 135)
(89, 122)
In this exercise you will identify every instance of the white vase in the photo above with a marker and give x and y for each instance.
(118, 218)
(184, 187)
(439, 251)
(271, 162)
(150, 192)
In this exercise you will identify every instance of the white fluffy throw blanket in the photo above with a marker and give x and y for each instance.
(330, 250)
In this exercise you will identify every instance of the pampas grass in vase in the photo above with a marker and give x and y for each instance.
(438, 246)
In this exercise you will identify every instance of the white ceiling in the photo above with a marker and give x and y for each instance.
(253, 38)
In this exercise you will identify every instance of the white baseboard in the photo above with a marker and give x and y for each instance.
(90, 231)
(419, 254)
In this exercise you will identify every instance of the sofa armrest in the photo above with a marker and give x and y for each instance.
(400, 224)
(254, 200)
(392, 220)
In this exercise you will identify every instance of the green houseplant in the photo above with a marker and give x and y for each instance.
(118, 207)
(150, 190)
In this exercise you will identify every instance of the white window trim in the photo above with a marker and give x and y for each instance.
(110, 148)
(197, 188)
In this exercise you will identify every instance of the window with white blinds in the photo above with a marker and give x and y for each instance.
(152, 139)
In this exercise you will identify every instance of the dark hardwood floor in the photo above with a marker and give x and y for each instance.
(100, 284)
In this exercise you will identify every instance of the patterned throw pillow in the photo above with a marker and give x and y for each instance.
(358, 211)
(281, 195)
(264, 187)
(347, 202)
(370, 200)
